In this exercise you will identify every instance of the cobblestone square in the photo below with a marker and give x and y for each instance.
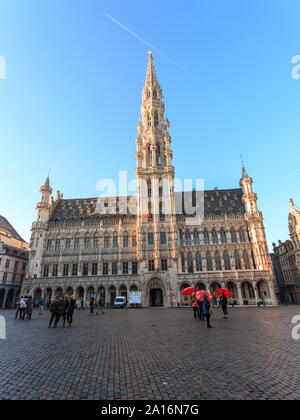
(152, 354)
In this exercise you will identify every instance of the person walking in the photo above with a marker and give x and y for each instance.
(101, 306)
(223, 303)
(23, 303)
(81, 304)
(18, 306)
(48, 303)
(29, 308)
(207, 310)
(194, 305)
(70, 310)
(41, 306)
(54, 310)
(64, 314)
(92, 306)
(61, 307)
(200, 310)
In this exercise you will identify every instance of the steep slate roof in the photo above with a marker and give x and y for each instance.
(5, 225)
(216, 202)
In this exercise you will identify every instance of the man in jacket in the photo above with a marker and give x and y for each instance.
(206, 310)
(54, 310)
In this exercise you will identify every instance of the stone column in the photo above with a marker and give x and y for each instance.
(240, 296)
(257, 298)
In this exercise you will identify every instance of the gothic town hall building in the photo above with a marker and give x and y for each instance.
(75, 249)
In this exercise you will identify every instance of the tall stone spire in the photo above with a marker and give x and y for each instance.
(151, 78)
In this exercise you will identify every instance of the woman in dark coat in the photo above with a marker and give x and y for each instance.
(206, 310)
(29, 307)
(223, 303)
(70, 310)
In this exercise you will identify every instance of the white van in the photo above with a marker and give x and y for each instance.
(120, 302)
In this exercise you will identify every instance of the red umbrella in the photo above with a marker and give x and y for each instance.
(201, 293)
(188, 291)
(226, 292)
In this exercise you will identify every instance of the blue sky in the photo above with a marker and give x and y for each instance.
(72, 95)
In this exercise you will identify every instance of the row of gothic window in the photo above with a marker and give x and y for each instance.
(108, 242)
(92, 243)
(73, 269)
(186, 237)
(187, 262)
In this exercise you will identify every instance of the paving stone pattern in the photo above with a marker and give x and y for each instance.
(152, 354)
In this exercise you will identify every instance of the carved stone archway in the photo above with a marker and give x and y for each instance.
(155, 293)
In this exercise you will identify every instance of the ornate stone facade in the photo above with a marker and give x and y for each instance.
(159, 250)
(286, 261)
(14, 253)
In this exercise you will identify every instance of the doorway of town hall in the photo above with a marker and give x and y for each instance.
(156, 292)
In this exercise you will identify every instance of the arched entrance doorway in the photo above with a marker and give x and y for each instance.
(263, 291)
(69, 291)
(2, 294)
(123, 292)
(156, 292)
(200, 286)
(248, 293)
(59, 291)
(233, 289)
(101, 294)
(156, 297)
(48, 294)
(112, 295)
(90, 293)
(79, 293)
(36, 297)
(10, 299)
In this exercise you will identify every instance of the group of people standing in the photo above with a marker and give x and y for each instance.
(203, 308)
(24, 307)
(63, 308)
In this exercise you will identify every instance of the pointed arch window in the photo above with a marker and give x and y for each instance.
(154, 94)
(199, 266)
(238, 265)
(180, 237)
(246, 261)
(182, 263)
(242, 235)
(223, 236)
(156, 120)
(214, 236)
(190, 263)
(233, 236)
(149, 188)
(188, 237)
(209, 263)
(206, 237)
(196, 237)
(218, 262)
(227, 263)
